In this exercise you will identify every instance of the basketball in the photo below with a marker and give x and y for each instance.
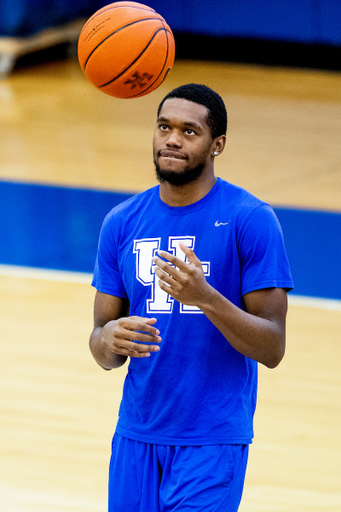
(126, 49)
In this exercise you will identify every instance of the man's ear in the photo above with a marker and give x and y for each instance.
(219, 145)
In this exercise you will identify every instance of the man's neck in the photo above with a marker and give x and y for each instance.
(186, 194)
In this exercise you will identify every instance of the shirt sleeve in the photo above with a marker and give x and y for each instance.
(107, 277)
(264, 262)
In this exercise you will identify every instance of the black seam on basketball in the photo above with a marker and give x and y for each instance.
(156, 79)
(137, 58)
(164, 64)
(163, 67)
(108, 37)
(94, 16)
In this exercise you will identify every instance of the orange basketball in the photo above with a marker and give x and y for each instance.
(126, 49)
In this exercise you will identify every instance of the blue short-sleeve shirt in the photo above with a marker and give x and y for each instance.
(197, 389)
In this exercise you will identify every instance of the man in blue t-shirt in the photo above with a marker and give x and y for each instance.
(192, 280)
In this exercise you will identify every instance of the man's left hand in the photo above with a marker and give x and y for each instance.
(184, 281)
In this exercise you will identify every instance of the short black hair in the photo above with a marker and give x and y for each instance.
(203, 95)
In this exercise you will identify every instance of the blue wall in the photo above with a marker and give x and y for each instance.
(307, 21)
(26, 17)
(313, 242)
(58, 228)
(52, 227)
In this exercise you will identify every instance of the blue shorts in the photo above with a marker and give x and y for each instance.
(155, 478)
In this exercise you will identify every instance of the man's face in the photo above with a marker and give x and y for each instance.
(182, 142)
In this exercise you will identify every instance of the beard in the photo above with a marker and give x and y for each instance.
(179, 178)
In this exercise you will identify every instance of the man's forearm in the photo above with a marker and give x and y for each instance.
(254, 336)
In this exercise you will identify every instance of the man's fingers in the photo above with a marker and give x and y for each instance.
(190, 254)
(138, 334)
(132, 349)
(170, 260)
(134, 328)
(132, 336)
(166, 278)
(140, 337)
(137, 323)
(168, 273)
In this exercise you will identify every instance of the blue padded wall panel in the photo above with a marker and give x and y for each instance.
(58, 228)
(328, 22)
(313, 242)
(26, 17)
(305, 21)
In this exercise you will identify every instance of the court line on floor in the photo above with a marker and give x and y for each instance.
(85, 278)
(45, 274)
(314, 302)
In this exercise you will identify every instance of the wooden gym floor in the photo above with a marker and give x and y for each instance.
(58, 409)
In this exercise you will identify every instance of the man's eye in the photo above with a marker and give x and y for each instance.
(163, 127)
(190, 132)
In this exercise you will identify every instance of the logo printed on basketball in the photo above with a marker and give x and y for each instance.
(138, 80)
(95, 30)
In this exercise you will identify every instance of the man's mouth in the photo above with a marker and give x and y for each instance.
(168, 153)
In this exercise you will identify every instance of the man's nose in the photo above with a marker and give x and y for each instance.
(174, 139)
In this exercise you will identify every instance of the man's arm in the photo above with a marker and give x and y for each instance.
(258, 333)
(114, 335)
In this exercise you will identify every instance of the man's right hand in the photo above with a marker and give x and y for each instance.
(132, 336)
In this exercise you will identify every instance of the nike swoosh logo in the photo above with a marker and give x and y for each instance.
(217, 223)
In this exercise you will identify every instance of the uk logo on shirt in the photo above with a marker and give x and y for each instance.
(144, 250)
